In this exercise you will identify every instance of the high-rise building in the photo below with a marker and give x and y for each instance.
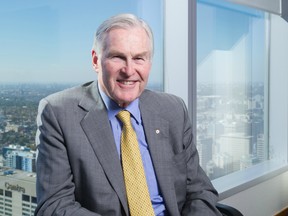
(17, 193)
(262, 153)
(236, 145)
(19, 158)
(204, 146)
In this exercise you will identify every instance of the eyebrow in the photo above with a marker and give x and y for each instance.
(111, 53)
(146, 53)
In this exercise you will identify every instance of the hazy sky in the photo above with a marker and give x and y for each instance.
(231, 43)
(51, 40)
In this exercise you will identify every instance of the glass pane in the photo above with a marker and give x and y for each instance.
(51, 41)
(232, 69)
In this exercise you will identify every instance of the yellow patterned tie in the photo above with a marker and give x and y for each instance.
(135, 181)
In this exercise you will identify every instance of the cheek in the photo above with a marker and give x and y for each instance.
(108, 80)
(107, 72)
(145, 73)
(111, 68)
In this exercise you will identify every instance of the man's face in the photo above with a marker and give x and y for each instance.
(123, 67)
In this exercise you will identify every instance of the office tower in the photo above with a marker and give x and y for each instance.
(236, 145)
(19, 158)
(204, 146)
(17, 193)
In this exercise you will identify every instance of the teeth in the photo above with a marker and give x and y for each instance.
(127, 82)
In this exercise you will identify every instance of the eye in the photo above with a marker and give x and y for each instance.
(139, 60)
(117, 58)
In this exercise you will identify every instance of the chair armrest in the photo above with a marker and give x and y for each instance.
(227, 210)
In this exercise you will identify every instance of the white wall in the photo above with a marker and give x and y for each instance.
(264, 199)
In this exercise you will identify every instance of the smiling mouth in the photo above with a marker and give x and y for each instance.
(124, 82)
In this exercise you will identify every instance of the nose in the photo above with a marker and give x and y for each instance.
(128, 68)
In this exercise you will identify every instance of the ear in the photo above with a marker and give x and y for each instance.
(95, 61)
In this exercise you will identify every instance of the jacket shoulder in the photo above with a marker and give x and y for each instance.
(162, 102)
(71, 94)
(160, 98)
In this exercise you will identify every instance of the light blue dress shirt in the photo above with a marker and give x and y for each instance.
(133, 108)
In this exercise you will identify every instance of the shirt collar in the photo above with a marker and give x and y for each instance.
(114, 109)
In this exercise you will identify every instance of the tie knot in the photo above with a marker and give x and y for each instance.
(124, 117)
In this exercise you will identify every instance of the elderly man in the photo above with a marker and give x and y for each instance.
(112, 147)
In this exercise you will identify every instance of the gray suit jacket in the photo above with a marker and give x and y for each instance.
(78, 168)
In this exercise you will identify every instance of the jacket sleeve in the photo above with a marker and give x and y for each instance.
(201, 196)
(54, 186)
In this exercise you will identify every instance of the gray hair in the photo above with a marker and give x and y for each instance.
(122, 21)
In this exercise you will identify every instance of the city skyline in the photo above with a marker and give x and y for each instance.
(221, 118)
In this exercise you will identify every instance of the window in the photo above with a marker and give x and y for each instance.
(46, 47)
(8, 194)
(239, 64)
(232, 97)
(25, 198)
(33, 199)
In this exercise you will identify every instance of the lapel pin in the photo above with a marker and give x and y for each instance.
(157, 131)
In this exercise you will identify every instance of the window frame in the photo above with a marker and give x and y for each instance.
(266, 5)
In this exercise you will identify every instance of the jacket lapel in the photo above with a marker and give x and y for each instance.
(157, 134)
(97, 128)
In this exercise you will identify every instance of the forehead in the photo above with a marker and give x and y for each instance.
(127, 29)
(127, 37)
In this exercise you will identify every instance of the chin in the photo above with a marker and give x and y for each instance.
(125, 103)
